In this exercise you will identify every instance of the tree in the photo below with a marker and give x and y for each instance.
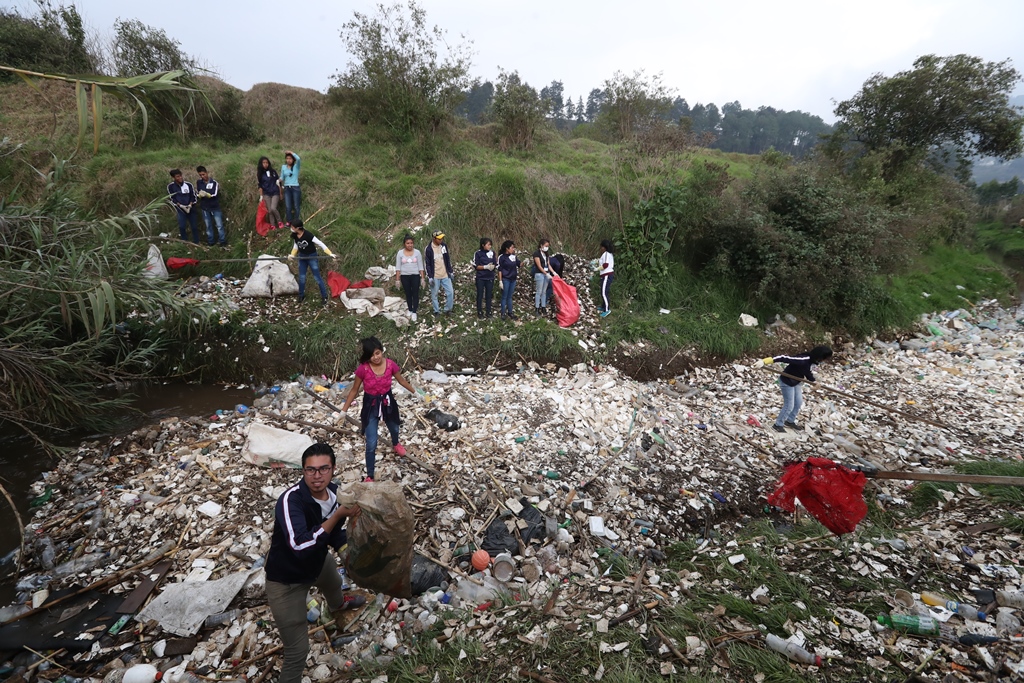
(554, 95)
(993, 191)
(595, 101)
(476, 101)
(53, 41)
(635, 101)
(960, 103)
(518, 110)
(581, 111)
(399, 79)
(141, 49)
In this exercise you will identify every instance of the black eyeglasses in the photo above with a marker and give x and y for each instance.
(318, 470)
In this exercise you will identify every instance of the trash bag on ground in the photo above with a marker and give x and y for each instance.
(447, 422)
(498, 539)
(426, 574)
(567, 301)
(337, 283)
(832, 493)
(266, 445)
(270, 278)
(155, 267)
(263, 225)
(380, 538)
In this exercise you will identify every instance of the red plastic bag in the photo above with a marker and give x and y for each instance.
(175, 262)
(832, 493)
(568, 303)
(362, 284)
(337, 282)
(263, 225)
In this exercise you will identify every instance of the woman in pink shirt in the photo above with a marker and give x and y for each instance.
(374, 374)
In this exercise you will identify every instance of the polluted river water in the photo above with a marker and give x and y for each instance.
(22, 460)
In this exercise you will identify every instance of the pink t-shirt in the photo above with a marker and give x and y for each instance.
(377, 385)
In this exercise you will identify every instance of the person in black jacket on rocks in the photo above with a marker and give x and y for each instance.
(307, 522)
(801, 367)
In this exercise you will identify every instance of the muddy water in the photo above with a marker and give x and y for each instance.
(22, 461)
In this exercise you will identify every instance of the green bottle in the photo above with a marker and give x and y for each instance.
(910, 623)
(550, 474)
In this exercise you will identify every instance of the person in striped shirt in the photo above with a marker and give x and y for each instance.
(799, 368)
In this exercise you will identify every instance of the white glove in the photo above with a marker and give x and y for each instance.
(490, 266)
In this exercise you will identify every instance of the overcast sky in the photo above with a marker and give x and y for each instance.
(789, 54)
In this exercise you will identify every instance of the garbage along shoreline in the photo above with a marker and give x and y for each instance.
(605, 505)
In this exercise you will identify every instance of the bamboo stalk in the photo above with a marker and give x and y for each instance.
(21, 529)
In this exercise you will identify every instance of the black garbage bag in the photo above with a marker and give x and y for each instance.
(426, 574)
(447, 422)
(498, 539)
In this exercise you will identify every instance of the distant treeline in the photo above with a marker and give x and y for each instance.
(730, 129)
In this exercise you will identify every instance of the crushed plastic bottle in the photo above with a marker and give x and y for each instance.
(222, 618)
(969, 612)
(1010, 599)
(550, 474)
(142, 673)
(922, 626)
(791, 650)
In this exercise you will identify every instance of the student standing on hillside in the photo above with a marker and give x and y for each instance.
(485, 263)
(802, 367)
(305, 246)
(374, 375)
(208, 191)
(182, 196)
(270, 190)
(292, 191)
(439, 272)
(606, 269)
(542, 274)
(410, 274)
(508, 273)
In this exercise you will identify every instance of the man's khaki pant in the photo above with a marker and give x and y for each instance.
(288, 605)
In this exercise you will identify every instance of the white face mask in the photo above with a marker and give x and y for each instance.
(511, 257)
(490, 254)
(544, 248)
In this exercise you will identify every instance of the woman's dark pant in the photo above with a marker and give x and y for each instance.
(411, 285)
(313, 264)
(484, 290)
(508, 286)
(292, 203)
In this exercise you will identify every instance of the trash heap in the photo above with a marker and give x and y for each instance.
(581, 486)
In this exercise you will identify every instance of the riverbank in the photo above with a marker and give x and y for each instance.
(687, 568)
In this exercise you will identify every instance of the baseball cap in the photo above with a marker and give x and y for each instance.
(439, 234)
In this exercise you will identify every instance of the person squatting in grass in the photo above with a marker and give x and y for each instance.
(270, 190)
(305, 246)
(307, 522)
(606, 269)
(208, 191)
(182, 196)
(801, 366)
(290, 187)
(542, 275)
(410, 274)
(508, 273)
(374, 376)
(484, 262)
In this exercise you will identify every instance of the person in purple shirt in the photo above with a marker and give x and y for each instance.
(508, 273)
(208, 191)
(485, 262)
(182, 196)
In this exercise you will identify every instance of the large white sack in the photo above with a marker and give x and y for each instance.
(270, 278)
(155, 266)
(266, 445)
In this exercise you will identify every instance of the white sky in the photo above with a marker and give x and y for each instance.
(789, 54)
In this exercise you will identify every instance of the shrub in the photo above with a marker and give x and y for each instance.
(518, 110)
(53, 41)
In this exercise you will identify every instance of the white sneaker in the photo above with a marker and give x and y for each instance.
(414, 317)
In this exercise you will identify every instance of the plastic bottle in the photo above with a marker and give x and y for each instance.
(966, 611)
(142, 673)
(344, 579)
(550, 474)
(1006, 623)
(791, 650)
(922, 626)
(222, 618)
(1010, 599)
(241, 409)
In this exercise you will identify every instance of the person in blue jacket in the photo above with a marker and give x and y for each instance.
(208, 191)
(290, 187)
(508, 273)
(270, 190)
(800, 368)
(439, 272)
(182, 196)
(308, 521)
(485, 262)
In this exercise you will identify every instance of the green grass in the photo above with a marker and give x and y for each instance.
(1005, 240)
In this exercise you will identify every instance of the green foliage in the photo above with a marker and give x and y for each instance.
(518, 111)
(959, 103)
(53, 41)
(634, 102)
(141, 49)
(399, 82)
(993, 192)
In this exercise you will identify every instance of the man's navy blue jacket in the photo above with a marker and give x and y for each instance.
(428, 258)
(299, 545)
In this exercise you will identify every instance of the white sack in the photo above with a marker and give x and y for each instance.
(270, 278)
(155, 266)
(266, 445)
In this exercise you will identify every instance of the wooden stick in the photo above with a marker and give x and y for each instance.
(854, 397)
(21, 529)
(669, 645)
(276, 648)
(40, 654)
(535, 676)
(323, 400)
(951, 478)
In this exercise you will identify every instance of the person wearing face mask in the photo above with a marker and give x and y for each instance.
(485, 263)
(508, 272)
(542, 274)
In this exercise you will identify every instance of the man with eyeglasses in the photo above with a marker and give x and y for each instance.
(307, 521)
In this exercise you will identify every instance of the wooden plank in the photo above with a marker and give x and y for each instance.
(950, 478)
(138, 596)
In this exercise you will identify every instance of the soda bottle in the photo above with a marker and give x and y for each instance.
(922, 626)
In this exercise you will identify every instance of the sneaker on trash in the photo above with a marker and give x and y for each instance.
(399, 449)
(794, 425)
(779, 428)
(604, 314)
(414, 318)
(367, 480)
